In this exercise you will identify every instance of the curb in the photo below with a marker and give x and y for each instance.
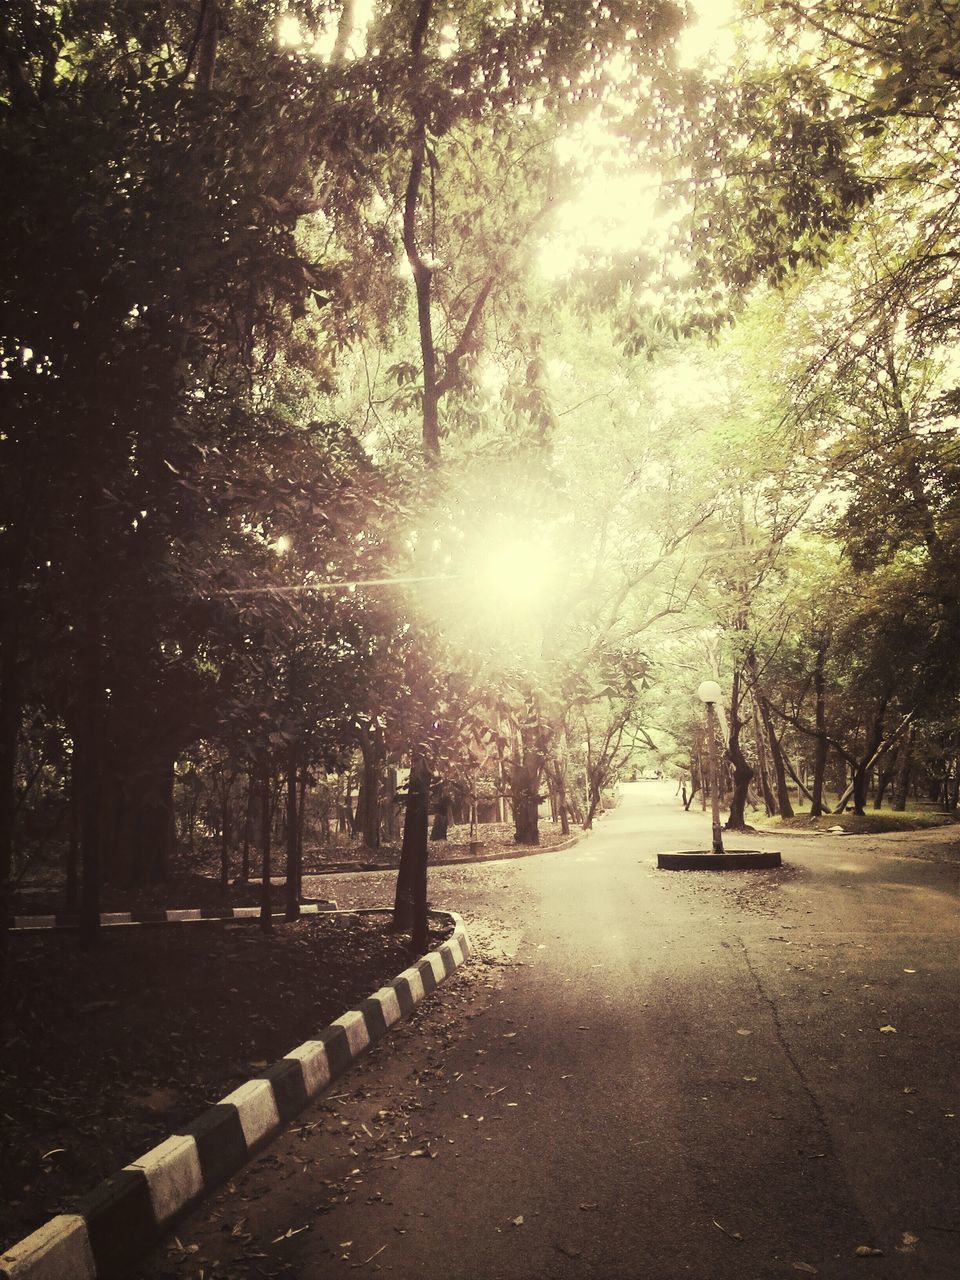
(731, 860)
(124, 1216)
(518, 851)
(181, 915)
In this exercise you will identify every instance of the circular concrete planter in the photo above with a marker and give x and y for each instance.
(741, 860)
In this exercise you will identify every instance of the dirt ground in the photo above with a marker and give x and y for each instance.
(104, 1051)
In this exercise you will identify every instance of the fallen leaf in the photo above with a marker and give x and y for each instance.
(732, 1235)
(909, 1088)
(742, 1031)
(517, 1221)
(909, 971)
(291, 1232)
(888, 1030)
(806, 1268)
(592, 1204)
(370, 1259)
(570, 1250)
(867, 1251)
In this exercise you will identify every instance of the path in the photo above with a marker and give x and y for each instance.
(734, 1077)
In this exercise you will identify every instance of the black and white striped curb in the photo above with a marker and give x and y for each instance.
(182, 915)
(122, 1219)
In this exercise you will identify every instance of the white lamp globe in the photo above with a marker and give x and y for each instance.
(709, 691)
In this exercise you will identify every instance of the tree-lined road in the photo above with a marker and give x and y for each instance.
(677, 1074)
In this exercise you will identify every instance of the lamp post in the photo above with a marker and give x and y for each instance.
(709, 693)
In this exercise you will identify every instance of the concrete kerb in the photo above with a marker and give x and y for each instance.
(176, 915)
(123, 1218)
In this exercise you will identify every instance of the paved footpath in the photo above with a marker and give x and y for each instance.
(643, 1074)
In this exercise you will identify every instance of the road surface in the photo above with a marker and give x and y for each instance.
(644, 1074)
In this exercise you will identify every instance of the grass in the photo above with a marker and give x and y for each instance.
(873, 822)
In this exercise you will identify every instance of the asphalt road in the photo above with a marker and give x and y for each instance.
(644, 1074)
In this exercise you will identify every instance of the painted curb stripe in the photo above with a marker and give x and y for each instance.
(404, 996)
(257, 1108)
(218, 1134)
(289, 1089)
(60, 1248)
(181, 915)
(386, 998)
(355, 1029)
(174, 1175)
(314, 1065)
(337, 1046)
(120, 1221)
(122, 1218)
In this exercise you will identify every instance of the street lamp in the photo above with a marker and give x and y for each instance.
(709, 692)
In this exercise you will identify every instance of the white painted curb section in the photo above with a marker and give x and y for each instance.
(314, 1063)
(58, 1251)
(173, 1175)
(257, 1109)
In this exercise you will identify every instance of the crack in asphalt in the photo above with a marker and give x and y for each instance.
(821, 1116)
(787, 1051)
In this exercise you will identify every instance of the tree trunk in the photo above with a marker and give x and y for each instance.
(860, 769)
(89, 746)
(73, 841)
(525, 786)
(861, 778)
(820, 742)
(151, 802)
(593, 802)
(884, 778)
(559, 768)
(779, 763)
(409, 908)
(226, 837)
(344, 32)
(249, 812)
(441, 815)
(293, 840)
(421, 271)
(208, 34)
(369, 812)
(10, 713)
(769, 799)
(525, 791)
(903, 774)
(742, 769)
(266, 905)
(391, 810)
(301, 817)
(801, 785)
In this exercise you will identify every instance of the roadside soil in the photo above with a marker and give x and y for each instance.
(105, 1050)
(494, 840)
